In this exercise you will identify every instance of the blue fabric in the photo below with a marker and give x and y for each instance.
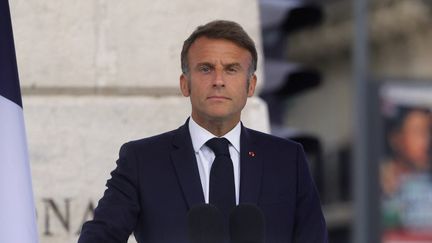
(222, 189)
(9, 82)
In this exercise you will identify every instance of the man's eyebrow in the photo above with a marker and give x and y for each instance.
(227, 65)
(204, 64)
(234, 64)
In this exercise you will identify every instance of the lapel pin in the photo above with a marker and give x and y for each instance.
(251, 154)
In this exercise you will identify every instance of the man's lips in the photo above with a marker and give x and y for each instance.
(218, 97)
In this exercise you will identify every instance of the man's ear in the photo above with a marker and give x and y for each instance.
(252, 84)
(184, 85)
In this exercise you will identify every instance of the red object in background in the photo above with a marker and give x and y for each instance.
(405, 236)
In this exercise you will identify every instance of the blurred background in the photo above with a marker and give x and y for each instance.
(96, 74)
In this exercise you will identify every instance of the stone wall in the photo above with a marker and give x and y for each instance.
(96, 74)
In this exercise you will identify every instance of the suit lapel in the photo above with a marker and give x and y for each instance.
(251, 164)
(184, 160)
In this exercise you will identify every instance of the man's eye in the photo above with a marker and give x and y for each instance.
(204, 69)
(232, 70)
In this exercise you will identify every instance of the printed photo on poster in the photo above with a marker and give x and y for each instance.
(406, 164)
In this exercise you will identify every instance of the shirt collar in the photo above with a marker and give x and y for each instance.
(200, 135)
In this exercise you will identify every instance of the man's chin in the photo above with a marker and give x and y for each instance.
(223, 117)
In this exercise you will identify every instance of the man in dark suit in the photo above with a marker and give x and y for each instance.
(159, 179)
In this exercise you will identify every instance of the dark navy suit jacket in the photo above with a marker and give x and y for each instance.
(157, 181)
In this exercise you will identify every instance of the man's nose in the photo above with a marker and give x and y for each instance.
(218, 80)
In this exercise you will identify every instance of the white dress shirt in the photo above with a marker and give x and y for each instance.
(205, 156)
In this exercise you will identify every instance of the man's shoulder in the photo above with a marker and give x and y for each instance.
(152, 142)
(262, 137)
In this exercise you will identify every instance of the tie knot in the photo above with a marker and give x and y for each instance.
(219, 146)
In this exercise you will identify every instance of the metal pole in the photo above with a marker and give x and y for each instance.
(362, 228)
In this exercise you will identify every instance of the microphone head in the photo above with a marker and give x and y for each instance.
(206, 225)
(246, 224)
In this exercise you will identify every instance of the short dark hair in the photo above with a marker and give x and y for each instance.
(220, 29)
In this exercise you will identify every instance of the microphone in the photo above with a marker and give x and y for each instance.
(206, 225)
(246, 224)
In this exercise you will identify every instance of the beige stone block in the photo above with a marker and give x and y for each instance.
(55, 42)
(74, 143)
(100, 43)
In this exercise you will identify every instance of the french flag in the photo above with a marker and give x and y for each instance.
(17, 211)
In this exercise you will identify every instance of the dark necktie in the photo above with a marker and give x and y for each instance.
(222, 189)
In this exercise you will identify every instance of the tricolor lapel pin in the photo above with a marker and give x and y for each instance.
(251, 154)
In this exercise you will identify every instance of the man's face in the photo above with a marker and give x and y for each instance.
(217, 80)
(415, 139)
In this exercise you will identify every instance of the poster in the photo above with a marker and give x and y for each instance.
(405, 167)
